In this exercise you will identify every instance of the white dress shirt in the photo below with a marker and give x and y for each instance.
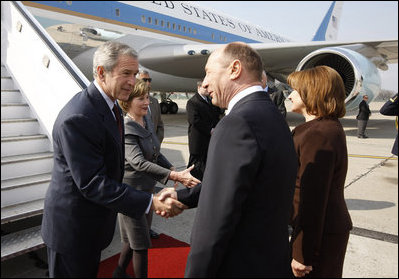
(242, 94)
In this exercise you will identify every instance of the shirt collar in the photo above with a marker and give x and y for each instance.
(242, 94)
(110, 103)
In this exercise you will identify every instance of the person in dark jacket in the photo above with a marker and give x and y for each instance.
(363, 117)
(391, 108)
(202, 118)
(320, 217)
(241, 223)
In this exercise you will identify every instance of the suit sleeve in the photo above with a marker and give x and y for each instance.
(315, 174)
(226, 184)
(84, 147)
(189, 196)
(390, 107)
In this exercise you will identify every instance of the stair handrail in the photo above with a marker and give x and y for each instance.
(46, 76)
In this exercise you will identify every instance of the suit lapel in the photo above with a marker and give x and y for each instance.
(106, 115)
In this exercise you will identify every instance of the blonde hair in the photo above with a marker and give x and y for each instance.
(139, 89)
(321, 89)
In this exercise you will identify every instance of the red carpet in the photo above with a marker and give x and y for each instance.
(166, 259)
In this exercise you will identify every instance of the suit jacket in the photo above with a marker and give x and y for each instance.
(319, 203)
(277, 96)
(144, 163)
(86, 191)
(201, 117)
(241, 224)
(391, 108)
(155, 111)
(364, 111)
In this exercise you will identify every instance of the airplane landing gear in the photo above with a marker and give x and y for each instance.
(168, 106)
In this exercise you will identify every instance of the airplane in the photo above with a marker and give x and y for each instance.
(173, 40)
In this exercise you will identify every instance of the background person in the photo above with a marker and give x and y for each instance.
(144, 166)
(155, 109)
(363, 117)
(320, 220)
(202, 118)
(391, 108)
(276, 92)
(86, 190)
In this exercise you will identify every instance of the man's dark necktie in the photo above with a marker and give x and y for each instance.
(118, 119)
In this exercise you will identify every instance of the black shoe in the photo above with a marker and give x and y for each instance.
(362, 137)
(153, 234)
(120, 273)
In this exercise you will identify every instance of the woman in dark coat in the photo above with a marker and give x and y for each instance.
(320, 219)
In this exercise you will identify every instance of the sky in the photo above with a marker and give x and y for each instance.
(299, 20)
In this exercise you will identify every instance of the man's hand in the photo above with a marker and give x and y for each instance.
(299, 269)
(164, 195)
(167, 207)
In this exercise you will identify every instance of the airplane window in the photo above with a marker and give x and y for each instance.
(117, 12)
(149, 20)
(143, 19)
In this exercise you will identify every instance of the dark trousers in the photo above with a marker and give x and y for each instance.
(199, 165)
(67, 266)
(361, 127)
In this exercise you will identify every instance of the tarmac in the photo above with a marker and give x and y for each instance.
(371, 193)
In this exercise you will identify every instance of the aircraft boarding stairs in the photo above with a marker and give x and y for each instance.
(26, 163)
(37, 79)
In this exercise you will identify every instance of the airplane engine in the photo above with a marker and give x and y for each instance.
(360, 76)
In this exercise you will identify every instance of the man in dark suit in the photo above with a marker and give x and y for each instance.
(276, 93)
(391, 108)
(363, 117)
(202, 118)
(241, 224)
(86, 190)
(155, 109)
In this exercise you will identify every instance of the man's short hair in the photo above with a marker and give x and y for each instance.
(249, 57)
(107, 55)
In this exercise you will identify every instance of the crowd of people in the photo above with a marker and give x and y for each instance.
(249, 176)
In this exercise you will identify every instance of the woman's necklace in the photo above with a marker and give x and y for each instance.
(139, 121)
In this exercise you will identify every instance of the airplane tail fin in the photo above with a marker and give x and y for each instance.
(328, 30)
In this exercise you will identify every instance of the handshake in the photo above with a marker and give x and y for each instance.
(165, 203)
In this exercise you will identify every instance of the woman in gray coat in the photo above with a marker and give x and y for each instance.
(144, 166)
